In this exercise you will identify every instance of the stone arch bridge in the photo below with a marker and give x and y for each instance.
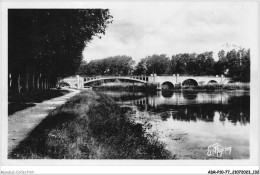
(171, 81)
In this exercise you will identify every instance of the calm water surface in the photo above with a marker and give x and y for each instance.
(190, 122)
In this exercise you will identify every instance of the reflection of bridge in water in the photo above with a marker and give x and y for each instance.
(176, 98)
(193, 106)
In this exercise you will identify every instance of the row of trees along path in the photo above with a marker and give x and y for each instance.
(47, 44)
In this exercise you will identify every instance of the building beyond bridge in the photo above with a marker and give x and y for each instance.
(171, 81)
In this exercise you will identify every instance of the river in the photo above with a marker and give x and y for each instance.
(189, 122)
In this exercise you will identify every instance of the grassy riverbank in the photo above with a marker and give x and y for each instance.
(17, 102)
(89, 126)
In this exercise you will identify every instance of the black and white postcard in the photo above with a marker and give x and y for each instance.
(166, 85)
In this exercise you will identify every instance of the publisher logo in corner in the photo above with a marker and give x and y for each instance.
(217, 150)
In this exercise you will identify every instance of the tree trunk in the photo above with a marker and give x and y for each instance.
(45, 87)
(45, 84)
(27, 82)
(38, 83)
(55, 82)
(10, 80)
(33, 82)
(14, 82)
(42, 84)
(48, 84)
(19, 84)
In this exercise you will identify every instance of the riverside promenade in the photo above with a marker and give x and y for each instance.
(22, 122)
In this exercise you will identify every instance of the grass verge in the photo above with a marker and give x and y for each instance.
(89, 126)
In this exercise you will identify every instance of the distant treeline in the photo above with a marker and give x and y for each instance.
(234, 64)
(47, 44)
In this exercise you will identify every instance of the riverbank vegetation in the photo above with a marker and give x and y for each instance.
(218, 87)
(89, 126)
(152, 87)
(141, 87)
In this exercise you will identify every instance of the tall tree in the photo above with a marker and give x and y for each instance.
(44, 44)
(116, 65)
(239, 65)
(221, 66)
(157, 64)
(141, 68)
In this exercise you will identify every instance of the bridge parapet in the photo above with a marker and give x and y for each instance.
(140, 78)
(79, 81)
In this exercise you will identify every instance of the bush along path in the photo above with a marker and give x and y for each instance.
(22, 122)
(89, 126)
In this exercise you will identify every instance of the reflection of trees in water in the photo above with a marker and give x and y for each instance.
(243, 104)
(193, 113)
(236, 110)
(165, 111)
(204, 112)
(237, 117)
(186, 114)
(207, 113)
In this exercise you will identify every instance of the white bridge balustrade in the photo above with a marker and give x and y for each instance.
(91, 79)
(175, 80)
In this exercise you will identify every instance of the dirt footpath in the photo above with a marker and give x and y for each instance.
(22, 122)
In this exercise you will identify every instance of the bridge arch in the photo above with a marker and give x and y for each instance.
(189, 82)
(64, 83)
(167, 85)
(115, 78)
(212, 82)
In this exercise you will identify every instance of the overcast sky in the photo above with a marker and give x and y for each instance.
(173, 28)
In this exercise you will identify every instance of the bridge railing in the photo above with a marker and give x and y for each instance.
(143, 78)
(99, 76)
(188, 75)
(106, 76)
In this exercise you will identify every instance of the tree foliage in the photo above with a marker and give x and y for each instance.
(233, 64)
(48, 43)
(117, 65)
(152, 64)
(238, 63)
